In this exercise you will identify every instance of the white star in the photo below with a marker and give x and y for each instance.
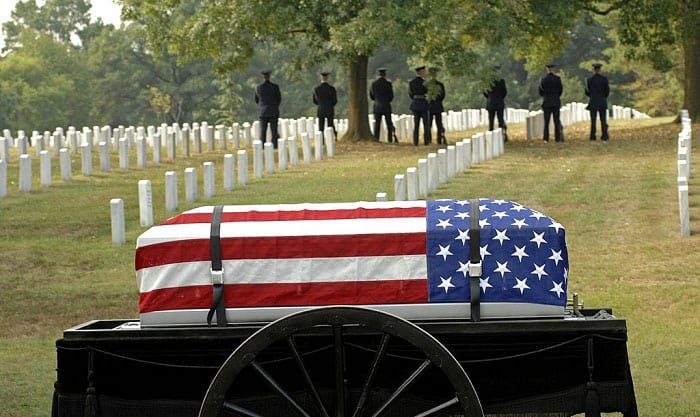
(502, 268)
(537, 214)
(521, 285)
(483, 208)
(499, 202)
(520, 253)
(520, 223)
(539, 238)
(446, 284)
(566, 274)
(539, 271)
(556, 226)
(484, 223)
(484, 284)
(463, 236)
(443, 208)
(500, 214)
(484, 250)
(462, 215)
(517, 207)
(444, 252)
(556, 257)
(462, 202)
(501, 236)
(444, 224)
(557, 288)
(463, 268)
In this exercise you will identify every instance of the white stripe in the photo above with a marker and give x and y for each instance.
(311, 206)
(270, 271)
(339, 227)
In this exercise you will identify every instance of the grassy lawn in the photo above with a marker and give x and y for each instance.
(617, 200)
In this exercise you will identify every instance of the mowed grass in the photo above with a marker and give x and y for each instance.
(617, 200)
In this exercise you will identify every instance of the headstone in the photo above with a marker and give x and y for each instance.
(170, 145)
(185, 133)
(683, 210)
(229, 172)
(282, 154)
(4, 149)
(221, 130)
(330, 141)
(209, 184)
(197, 140)
(411, 184)
(210, 137)
(451, 156)
(191, 194)
(235, 134)
(3, 178)
(423, 177)
(306, 148)
(145, 203)
(171, 202)
(459, 157)
(293, 151)
(118, 225)
(104, 156)
(22, 146)
(86, 160)
(141, 152)
(432, 172)
(467, 153)
(269, 153)
(45, 168)
(25, 173)
(399, 187)
(382, 197)
(442, 166)
(123, 154)
(242, 167)
(318, 146)
(65, 162)
(258, 159)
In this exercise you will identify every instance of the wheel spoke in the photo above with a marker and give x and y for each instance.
(378, 357)
(407, 383)
(230, 406)
(339, 371)
(307, 377)
(278, 388)
(438, 408)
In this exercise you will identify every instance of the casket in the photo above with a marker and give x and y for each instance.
(416, 259)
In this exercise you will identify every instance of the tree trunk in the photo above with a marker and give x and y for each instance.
(358, 107)
(691, 55)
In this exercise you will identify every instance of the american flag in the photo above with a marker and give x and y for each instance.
(364, 253)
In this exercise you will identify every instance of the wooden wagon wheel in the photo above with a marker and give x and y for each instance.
(420, 352)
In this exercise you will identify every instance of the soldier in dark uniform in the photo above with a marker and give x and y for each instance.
(551, 90)
(268, 98)
(326, 98)
(419, 105)
(382, 92)
(598, 89)
(495, 103)
(436, 94)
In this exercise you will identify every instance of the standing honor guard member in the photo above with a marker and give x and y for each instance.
(382, 92)
(551, 89)
(419, 105)
(436, 94)
(268, 97)
(326, 98)
(495, 103)
(598, 89)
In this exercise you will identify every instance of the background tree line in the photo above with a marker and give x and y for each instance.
(59, 68)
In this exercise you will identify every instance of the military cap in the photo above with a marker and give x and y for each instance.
(381, 70)
(551, 65)
(597, 65)
(266, 72)
(433, 70)
(421, 68)
(324, 72)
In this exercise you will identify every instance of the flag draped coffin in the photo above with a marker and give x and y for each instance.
(409, 258)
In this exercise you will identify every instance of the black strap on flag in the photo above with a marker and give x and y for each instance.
(474, 260)
(218, 304)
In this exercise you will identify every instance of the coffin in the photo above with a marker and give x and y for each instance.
(409, 258)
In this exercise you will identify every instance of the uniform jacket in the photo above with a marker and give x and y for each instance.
(598, 89)
(435, 104)
(268, 97)
(382, 92)
(495, 95)
(550, 90)
(326, 98)
(418, 93)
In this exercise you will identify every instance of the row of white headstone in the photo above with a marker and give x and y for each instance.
(440, 167)
(684, 171)
(573, 113)
(453, 121)
(235, 171)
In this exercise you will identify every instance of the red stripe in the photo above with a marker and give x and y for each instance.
(284, 295)
(261, 216)
(283, 247)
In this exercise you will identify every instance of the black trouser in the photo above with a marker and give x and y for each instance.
(273, 129)
(496, 113)
(425, 117)
(548, 113)
(378, 125)
(440, 128)
(603, 123)
(322, 123)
